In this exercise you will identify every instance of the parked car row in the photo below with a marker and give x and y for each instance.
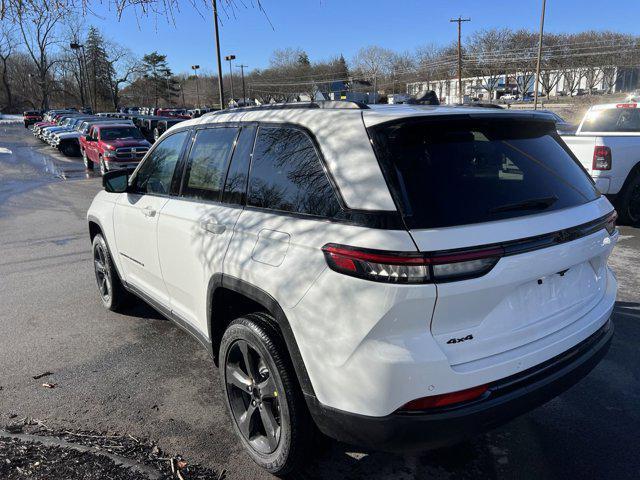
(151, 126)
(109, 143)
(167, 112)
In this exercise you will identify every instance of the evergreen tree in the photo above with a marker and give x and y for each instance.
(158, 73)
(99, 69)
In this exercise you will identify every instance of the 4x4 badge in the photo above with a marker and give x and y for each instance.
(458, 340)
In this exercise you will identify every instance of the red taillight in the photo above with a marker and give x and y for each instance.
(627, 105)
(445, 399)
(410, 267)
(601, 158)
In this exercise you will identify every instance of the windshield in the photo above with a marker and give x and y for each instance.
(120, 133)
(460, 172)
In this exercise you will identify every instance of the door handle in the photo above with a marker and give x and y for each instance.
(149, 212)
(213, 227)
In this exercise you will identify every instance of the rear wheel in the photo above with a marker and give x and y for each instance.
(629, 202)
(88, 164)
(269, 414)
(112, 293)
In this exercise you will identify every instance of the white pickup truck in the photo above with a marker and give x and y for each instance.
(607, 144)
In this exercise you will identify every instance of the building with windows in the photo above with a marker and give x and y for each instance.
(569, 82)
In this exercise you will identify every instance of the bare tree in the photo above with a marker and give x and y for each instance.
(487, 50)
(374, 63)
(8, 44)
(38, 26)
(123, 68)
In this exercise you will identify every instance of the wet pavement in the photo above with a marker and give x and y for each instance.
(136, 374)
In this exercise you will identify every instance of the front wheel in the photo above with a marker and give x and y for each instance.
(156, 134)
(629, 202)
(268, 411)
(112, 293)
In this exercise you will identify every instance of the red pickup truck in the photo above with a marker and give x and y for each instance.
(30, 117)
(113, 147)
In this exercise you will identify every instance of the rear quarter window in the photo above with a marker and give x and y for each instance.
(461, 172)
(287, 175)
(612, 120)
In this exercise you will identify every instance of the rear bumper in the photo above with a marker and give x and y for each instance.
(506, 399)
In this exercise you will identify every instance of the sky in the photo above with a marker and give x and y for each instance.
(328, 28)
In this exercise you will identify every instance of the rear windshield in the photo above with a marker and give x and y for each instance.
(468, 171)
(120, 133)
(612, 120)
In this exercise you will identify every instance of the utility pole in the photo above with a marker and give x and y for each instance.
(168, 89)
(230, 58)
(195, 72)
(459, 21)
(244, 91)
(215, 27)
(537, 81)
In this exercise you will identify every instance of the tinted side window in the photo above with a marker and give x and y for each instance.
(235, 188)
(207, 164)
(613, 120)
(286, 174)
(156, 172)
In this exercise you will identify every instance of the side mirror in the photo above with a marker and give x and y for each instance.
(116, 181)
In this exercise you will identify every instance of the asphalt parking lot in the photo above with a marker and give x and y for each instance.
(136, 374)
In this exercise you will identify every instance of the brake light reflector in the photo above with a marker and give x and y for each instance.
(626, 105)
(444, 400)
(601, 158)
(410, 267)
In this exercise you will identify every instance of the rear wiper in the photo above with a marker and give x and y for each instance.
(532, 204)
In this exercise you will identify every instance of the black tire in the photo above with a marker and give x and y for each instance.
(68, 149)
(112, 294)
(629, 202)
(88, 164)
(252, 337)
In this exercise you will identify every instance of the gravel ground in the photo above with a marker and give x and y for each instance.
(30, 449)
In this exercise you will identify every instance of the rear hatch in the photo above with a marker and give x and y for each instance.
(500, 196)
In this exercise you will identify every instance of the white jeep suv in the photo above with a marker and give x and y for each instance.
(397, 277)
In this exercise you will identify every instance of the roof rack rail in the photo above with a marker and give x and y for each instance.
(326, 104)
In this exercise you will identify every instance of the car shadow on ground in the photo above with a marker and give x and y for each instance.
(141, 309)
(471, 459)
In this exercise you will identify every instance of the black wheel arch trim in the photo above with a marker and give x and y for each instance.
(263, 298)
(94, 219)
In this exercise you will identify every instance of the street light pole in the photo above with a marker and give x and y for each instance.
(195, 71)
(537, 82)
(459, 21)
(244, 91)
(168, 89)
(215, 26)
(230, 58)
(83, 65)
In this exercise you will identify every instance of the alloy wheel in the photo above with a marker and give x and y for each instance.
(253, 397)
(103, 276)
